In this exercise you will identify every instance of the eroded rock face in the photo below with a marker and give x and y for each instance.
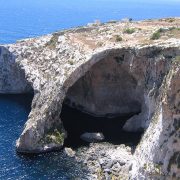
(123, 82)
(109, 88)
(160, 157)
(101, 78)
(12, 77)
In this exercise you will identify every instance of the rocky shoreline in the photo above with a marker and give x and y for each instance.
(106, 161)
(119, 67)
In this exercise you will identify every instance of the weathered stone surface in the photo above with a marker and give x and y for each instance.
(92, 137)
(158, 151)
(134, 74)
(69, 152)
(108, 88)
(12, 78)
(105, 161)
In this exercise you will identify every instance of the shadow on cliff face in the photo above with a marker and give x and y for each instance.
(76, 123)
(102, 100)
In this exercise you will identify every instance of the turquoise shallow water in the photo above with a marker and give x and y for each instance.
(28, 18)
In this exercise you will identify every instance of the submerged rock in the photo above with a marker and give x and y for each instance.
(92, 137)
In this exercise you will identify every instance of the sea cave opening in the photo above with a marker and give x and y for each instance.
(102, 101)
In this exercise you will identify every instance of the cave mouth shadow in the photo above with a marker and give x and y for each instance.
(110, 90)
(76, 123)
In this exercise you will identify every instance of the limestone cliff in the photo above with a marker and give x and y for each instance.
(105, 70)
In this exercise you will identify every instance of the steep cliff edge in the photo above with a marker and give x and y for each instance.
(97, 71)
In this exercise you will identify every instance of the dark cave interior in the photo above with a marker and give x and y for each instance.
(76, 123)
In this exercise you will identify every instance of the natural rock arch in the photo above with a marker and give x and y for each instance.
(108, 89)
(154, 70)
(137, 64)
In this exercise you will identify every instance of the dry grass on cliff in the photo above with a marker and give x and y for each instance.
(171, 32)
(53, 41)
(120, 33)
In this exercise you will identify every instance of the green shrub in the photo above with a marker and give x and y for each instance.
(171, 20)
(55, 137)
(160, 31)
(174, 28)
(71, 62)
(53, 41)
(99, 44)
(155, 35)
(129, 31)
(118, 38)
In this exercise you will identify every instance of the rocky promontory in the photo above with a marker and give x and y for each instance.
(103, 69)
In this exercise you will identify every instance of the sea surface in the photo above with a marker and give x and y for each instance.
(30, 18)
(14, 110)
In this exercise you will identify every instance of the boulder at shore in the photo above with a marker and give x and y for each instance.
(92, 137)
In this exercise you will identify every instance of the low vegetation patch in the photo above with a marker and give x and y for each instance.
(170, 32)
(99, 44)
(174, 32)
(118, 38)
(170, 20)
(153, 168)
(53, 41)
(53, 137)
(155, 35)
(129, 31)
(71, 62)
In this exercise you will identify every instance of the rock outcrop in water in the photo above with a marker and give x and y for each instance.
(109, 69)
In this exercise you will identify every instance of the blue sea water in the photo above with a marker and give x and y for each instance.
(28, 18)
(14, 110)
